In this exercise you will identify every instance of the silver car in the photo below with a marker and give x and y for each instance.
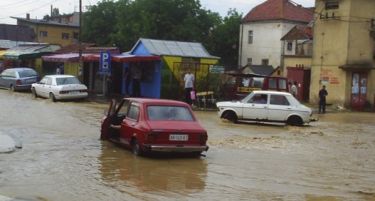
(16, 79)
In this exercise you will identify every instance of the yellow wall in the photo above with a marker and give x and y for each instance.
(209, 61)
(338, 43)
(54, 35)
(179, 74)
(71, 68)
(336, 82)
(294, 61)
(38, 65)
(169, 61)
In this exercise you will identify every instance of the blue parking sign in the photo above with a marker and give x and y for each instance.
(105, 63)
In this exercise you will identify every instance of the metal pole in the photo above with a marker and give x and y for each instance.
(80, 66)
(80, 30)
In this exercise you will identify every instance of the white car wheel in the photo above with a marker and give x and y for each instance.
(52, 97)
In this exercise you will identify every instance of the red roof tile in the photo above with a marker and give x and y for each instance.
(279, 10)
(299, 32)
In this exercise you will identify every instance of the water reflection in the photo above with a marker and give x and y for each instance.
(119, 167)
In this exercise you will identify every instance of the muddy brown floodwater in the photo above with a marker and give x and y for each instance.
(63, 159)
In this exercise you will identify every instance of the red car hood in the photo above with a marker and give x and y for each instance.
(176, 126)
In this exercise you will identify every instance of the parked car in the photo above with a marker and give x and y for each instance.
(16, 79)
(266, 106)
(59, 87)
(154, 125)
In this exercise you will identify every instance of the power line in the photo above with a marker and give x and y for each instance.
(14, 3)
(39, 7)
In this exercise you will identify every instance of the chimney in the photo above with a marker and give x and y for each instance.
(27, 16)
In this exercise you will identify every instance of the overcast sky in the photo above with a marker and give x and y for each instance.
(40, 8)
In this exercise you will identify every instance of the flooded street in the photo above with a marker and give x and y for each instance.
(63, 159)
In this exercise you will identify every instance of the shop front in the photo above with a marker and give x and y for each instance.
(360, 86)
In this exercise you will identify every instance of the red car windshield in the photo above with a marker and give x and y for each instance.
(169, 113)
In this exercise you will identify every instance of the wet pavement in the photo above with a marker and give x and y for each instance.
(63, 159)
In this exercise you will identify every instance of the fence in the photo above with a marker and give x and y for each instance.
(207, 82)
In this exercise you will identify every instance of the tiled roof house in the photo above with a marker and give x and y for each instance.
(263, 27)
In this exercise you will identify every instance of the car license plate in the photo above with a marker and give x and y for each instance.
(175, 137)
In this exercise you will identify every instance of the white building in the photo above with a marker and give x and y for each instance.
(263, 27)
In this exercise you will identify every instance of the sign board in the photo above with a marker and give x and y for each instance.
(105, 63)
(217, 69)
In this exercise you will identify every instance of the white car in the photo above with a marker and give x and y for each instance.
(266, 106)
(59, 87)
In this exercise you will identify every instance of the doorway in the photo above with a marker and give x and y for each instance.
(359, 90)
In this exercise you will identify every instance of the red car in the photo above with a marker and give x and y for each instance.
(154, 125)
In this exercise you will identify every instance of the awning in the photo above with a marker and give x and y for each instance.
(358, 67)
(247, 75)
(70, 57)
(122, 58)
(74, 57)
(134, 58)
(2, 52)
(29, 51)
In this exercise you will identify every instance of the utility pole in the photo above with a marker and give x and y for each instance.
(80, 67)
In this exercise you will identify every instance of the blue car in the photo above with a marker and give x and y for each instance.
(17, 79)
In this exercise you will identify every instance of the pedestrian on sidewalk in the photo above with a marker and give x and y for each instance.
(294, 89)
(189, 85)
(322, 99)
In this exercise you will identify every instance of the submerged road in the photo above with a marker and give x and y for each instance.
(63, 159)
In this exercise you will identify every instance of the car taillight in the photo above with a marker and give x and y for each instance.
(203, 138)
(18, 82)
(64, 92)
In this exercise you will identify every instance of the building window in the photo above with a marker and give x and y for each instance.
(332, 4)
(249, 61)
(264, 62)
(43, 33)
(65, 36)
(250, 38)
(289, 46)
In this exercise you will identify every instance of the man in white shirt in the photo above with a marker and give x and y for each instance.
(294, 89)
(189, 85)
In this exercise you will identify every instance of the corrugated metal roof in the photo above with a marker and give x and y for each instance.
(46, 22)
(264, 70)
(17, 52)
(175, 48)
(7, 44)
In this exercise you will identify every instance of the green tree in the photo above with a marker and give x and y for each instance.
(123, 22)
(98, 23)
(225, 39)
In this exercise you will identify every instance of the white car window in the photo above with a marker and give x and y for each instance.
(282, 84)
(49, 81)
(279, 100)
(133, 112)
(43, 81)
(259, 99)
(27, 73)
(9, 73)
(272, 83)
(67, 80)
